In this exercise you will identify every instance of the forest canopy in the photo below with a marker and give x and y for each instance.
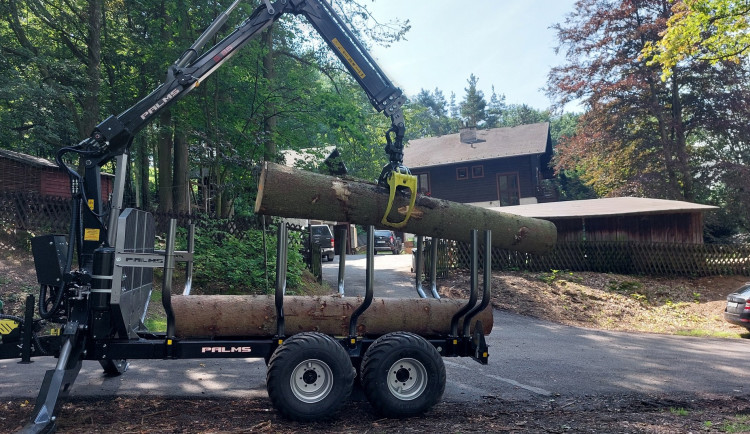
(663, 86)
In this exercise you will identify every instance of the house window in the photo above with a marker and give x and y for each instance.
(462, 173)
(423, 183)
(477, 171)
(508, 192)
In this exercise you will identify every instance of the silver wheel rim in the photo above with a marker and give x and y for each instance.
(311, 381)
(407, 379)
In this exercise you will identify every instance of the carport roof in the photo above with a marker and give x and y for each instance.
(611, 206)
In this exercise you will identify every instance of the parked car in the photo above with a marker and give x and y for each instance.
(386, 240)
(738, 307)
(321, 234)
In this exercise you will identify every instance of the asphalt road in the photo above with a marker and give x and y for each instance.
(529, 360)
(392, 276)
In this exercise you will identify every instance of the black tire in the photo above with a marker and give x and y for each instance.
(331, 258)
(113, 368)
(403, 375)
(309, 377)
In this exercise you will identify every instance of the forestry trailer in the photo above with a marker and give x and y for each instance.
(96, 311)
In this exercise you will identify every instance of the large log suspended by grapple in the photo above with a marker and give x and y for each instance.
(289, 192)
(255, 315)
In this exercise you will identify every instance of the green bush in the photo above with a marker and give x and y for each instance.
(224, 263)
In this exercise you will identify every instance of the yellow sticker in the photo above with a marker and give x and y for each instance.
(348, 58)
(55, 332)
(90, 234)
(7, 326)
(91, 204)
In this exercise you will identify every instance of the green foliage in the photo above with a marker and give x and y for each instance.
(473, 106)
(710, 31)
(741, 423)
(226, 264)
(679, 411)
(625, 286)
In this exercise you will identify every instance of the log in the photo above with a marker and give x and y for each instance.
(255, 315)
(288, 192)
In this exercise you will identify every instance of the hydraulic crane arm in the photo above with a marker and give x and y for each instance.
(114, 135)
(112, 138)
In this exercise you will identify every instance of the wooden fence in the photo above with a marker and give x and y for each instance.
(33, 212)
(663, 259)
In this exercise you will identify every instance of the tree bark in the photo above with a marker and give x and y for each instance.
(270, 119)
(289, 192)
(255, 315)
(90, 115)
(165, 161)
(181, 172)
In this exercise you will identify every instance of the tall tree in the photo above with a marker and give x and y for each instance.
(715, 32)
(712, 31)
(522, 114)
(428, 115)
(473, 106)
(634, 137)
(495, 109)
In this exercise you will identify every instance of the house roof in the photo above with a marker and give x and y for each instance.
(493, 143)
(612, 206)
(27, 159)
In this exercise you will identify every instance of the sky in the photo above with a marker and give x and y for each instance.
(505, 43)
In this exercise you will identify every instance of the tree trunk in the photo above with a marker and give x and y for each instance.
(270, 119)
(143, 172)
(255, 315)
(90, 116)
(181, 172)
(165, 161)
(289, 192)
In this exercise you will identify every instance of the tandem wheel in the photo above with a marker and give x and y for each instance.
(309, 377)
(403, 375)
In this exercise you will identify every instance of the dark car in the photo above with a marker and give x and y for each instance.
(738, 307)
(321, 234)
(386, 240)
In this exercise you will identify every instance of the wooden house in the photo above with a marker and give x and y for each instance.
(621, 219)
(495, 167)
(28, 174)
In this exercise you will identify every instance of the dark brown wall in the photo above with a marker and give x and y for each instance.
(663, 228)
(445, 185)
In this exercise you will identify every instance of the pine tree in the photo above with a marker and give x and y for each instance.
(473, 106)
(495, 109)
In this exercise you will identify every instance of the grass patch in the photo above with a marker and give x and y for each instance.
(678, 411)
(740, 424)
(157, 324)
(702, 333)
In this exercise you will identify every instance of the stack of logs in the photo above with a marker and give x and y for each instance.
(289, 192)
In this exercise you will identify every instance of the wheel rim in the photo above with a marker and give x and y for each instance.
(407, 379)
(311, 381)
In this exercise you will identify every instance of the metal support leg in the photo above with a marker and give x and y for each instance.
(28, 330)
(473, 296)
(342, 260)
(369, 282)
(57, 383)
(419, 265)
(166, 290)
(189, 267)
(282, 251)
(486, 284)
(433, 267)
